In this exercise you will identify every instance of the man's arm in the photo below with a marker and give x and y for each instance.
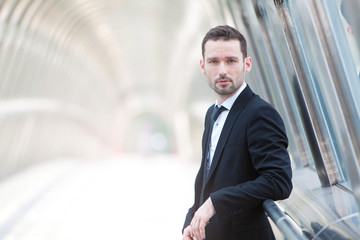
(189, 217)
(201, 219)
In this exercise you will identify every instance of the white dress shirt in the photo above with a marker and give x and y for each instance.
(220, 121)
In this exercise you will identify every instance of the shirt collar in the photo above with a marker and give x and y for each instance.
(230, 101)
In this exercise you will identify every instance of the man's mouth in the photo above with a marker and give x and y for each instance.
(223, 81)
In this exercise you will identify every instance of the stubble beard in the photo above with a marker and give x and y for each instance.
(226, 90)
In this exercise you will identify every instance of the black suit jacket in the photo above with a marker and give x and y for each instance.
(250, 164)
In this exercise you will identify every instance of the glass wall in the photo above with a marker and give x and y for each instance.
(306, 63)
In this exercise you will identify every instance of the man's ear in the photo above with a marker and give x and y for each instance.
(248, 63)
(202, 66)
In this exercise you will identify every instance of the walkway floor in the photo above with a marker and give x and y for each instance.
(121, 198)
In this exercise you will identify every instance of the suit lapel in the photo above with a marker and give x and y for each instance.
(205, 140)
(235, 111)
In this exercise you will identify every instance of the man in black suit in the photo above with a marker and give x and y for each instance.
(245, 159)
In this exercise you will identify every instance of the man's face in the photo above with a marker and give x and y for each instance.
(224, 66)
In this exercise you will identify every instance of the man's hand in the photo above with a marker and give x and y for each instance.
(201, 219)
(187, 233)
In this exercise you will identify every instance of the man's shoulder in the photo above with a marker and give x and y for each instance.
(259, 103)
(260, 108)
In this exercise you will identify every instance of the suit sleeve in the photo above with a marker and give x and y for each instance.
(267, 146)
(189, 217)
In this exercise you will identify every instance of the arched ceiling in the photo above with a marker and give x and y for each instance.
(74, 72)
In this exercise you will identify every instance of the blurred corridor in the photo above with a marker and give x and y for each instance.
(96, 102)
(90, 77)
(102, 107)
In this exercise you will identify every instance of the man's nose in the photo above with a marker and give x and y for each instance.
(222, 69)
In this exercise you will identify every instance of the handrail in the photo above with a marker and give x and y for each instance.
(286, 225)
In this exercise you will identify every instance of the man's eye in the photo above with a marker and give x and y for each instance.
(231, 61)
(213, 61)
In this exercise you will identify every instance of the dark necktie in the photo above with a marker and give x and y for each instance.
(215, 114)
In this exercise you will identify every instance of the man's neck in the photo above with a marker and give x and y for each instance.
(220, 99)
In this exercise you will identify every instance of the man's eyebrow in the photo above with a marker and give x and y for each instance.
(211, 58)
(228, 57)
(232, 57)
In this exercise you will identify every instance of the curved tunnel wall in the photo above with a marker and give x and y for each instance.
(58, 87)
(75, 75)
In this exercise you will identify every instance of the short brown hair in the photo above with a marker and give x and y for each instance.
(225, 33)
